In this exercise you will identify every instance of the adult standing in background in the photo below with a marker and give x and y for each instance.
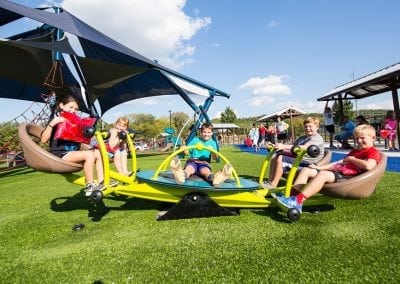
(262, 132)
(281, 130)
(348, 127)
(254, 136)
(329, 124)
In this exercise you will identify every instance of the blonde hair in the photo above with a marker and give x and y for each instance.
(124, 120)
(365, 129)
(313, 120)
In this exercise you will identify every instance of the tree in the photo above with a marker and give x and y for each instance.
(228, 116)
(9, 137)
(179, 119)
(347, 111)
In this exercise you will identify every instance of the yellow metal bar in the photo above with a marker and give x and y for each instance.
(104, 155)
(132, 149)
(199, 147)
(265, 166)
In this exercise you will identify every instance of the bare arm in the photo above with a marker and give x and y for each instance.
(46, 134)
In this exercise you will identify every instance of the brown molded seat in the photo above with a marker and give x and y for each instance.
(38, 158)
(326, 159)
(358, 187)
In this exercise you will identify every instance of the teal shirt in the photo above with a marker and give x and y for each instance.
(204, 155)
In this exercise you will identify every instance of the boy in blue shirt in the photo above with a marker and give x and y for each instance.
(198, 162)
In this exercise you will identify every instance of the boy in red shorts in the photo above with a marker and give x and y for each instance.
(365, 158)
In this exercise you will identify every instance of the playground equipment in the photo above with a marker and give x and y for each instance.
(170, 140)
(126, 75)
(196, 197)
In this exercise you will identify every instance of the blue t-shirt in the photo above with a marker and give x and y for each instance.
(348, 127)
(203, 155)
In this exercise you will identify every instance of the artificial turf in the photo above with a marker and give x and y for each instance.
(350, 241)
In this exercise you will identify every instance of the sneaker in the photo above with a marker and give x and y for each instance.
(276, 194)
(223, 175)
(90, 187)
(101, 186)
(267, 185)
(176, 169)
(289, 202)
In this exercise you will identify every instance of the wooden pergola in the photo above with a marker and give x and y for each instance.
(381, 81)
(288, 112)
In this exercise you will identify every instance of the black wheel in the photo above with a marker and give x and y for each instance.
(122, 135)
(96, 196)
(194, 198)
(107, 135)
(313, 151)
(293, 214)
(294, 150)
(88, 132)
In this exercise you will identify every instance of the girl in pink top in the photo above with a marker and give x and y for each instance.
(390, 124)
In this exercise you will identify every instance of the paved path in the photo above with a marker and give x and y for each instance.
(393, 164)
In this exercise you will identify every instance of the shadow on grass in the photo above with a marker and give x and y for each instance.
(276, 214)
(16, 171)
(96, 211)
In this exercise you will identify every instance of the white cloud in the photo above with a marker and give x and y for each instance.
(273, 23)
(264, 90)
(157, 29)
(144, 101)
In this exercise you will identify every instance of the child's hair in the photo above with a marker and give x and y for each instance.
(62, 99)
(389, 114)
(124, 120)
(66, 99)
(206, 125)
(365, 129)
(311, 119)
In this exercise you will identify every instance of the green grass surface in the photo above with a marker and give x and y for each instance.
(356, 242)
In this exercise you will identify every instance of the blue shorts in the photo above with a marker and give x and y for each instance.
(287, 163)
(197, 165)
(343, 136)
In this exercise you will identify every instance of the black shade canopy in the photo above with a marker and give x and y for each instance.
(110, 72)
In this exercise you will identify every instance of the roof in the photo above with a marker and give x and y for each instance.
(224, 125)
(283, 113)
(372, 84)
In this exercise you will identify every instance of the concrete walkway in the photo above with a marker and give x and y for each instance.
(393, 163)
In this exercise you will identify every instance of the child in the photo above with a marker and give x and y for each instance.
(118, 147)
(390, 124)
(70, 150)
(365, 158)
(347, 132)
(254, 136)
(329, 123)
(283, 161)
(198, 162)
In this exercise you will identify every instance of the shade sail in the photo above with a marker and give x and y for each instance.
(110, 72)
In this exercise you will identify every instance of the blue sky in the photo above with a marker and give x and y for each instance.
(267, 54)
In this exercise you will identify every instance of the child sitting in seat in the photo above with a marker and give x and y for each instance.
(365, 158)
(69, 150)
(118, 147)
(198, 162)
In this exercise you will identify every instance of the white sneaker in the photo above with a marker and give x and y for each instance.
(101, 186)
(267, 185)
(90, 187)
(223, 175)
(176, 169)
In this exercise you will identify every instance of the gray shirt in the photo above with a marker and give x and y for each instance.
(316, 140)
